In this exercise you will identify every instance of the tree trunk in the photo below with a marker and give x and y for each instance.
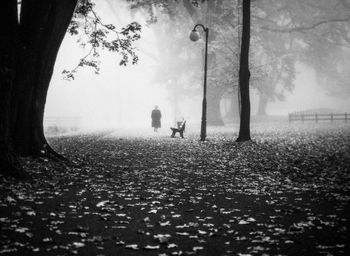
(43, 26)
(244, 75)
(28, 53)
(263, 100)
(214, 111)
(8, 160)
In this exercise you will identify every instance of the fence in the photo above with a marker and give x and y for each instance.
(300, 116)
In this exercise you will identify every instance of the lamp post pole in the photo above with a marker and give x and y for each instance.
(194, 37)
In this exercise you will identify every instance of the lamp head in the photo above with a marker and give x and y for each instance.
(194, 36)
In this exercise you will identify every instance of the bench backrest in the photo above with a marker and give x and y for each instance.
(182, 125)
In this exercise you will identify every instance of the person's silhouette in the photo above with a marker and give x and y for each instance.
(156, 116)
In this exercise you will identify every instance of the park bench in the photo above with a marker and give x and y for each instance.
(180, 129)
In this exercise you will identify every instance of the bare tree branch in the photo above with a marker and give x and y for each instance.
(304, 28)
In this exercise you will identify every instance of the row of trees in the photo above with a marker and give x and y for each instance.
(224, 18)
(282, 34)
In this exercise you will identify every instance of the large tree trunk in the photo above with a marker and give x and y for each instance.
(214, 111)
(28, 53)
(8, 161)
(43, 26)
(244, 75)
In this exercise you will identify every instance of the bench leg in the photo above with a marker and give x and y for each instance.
(173, 134)
(182, 134)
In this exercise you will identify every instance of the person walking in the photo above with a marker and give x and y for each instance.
(156, 116)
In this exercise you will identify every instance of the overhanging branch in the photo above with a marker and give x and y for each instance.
(304, 28)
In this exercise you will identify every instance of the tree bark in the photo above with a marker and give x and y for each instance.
(244, 75)
(8, 160)
(43, 26)
(28, 51)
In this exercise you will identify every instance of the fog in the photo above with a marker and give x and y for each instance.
(125, 96)
(308, 94)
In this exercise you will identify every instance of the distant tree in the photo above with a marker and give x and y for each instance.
(276, 56)
(318, 33)
(334, 75)
(28, 49)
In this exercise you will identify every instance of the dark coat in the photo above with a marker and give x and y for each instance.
(156, 116)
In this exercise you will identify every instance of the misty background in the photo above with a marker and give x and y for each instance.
(169, 73)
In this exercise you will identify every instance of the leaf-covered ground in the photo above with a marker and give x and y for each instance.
(284, 193)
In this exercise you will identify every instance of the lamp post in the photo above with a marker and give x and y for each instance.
(194, 36)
